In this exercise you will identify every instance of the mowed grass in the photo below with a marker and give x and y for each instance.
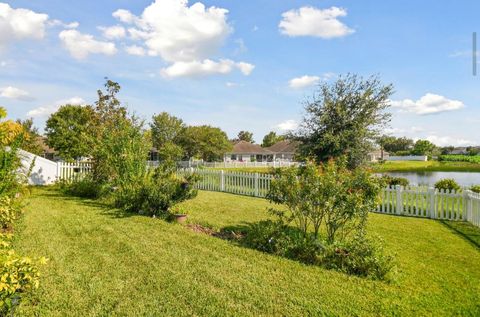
(103, 264)
(429, 166)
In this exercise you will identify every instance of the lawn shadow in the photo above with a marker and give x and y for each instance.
(53, 192)
(465, 230)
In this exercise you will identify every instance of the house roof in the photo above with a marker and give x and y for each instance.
(244, 147)
(378, 152)
(41, 140)
(285, 147)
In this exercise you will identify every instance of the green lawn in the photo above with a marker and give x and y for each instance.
(429, 166)
(102, 264)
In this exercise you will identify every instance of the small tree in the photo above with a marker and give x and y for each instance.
(71, 131)
(271, 138)
(245, 136)
(30, 141)
(424, 147)
(205, 142)
(166, 129)
(343, 118)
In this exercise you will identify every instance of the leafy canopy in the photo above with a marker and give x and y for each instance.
(70, 131)
(343, 118)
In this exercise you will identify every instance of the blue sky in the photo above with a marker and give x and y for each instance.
(246, 69)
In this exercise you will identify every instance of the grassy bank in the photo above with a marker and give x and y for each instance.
(103, 264)
(429, 166)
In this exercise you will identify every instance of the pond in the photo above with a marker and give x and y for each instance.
(464, 179)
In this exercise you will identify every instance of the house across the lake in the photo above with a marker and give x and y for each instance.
(244, 151)
(377, 155)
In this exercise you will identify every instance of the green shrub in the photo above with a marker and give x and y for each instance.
(358, 256)
(460, 158)
(447, 184)
(9, 212)
(157, 192)
(393, 181)
(280, 239)
(18, 276)
(475, 188)
(84, 187)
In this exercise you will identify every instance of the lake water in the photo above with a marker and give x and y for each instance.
(430, 178)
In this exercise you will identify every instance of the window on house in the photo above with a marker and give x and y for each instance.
(233, 157)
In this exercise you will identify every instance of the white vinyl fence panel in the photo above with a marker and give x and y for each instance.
(414, 201)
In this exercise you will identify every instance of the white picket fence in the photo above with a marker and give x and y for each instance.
(410, 201)
(71, 171)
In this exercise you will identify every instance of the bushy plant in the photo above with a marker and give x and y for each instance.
(157, 192)
(329, 193)
(447, 184)
(9, 211)
(280, 239)
(18, 276)
(475, 188)
(85, 187)
(360, 256)
(393, 181)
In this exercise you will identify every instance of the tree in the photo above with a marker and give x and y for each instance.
(30, 141)
(245, 136)
(70, 131)
(393, 144)
(424, 147)
(271, 138)
(343, 118)
(166, 133)
(205, 142)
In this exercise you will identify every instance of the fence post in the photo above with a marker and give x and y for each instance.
(398, 190)
(433, 209)
(256, 184)
(467, 205)
(222, 180)
(59, 170)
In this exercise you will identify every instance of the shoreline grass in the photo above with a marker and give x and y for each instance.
(429, 166)
(104, 263)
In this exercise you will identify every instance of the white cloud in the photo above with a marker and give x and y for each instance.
(113, 32)
(81, 45)
(72, 25)
(15, 93)
(177, 32)
(287, 125)
(18, 24)
(48, 110)
(231, 84)
(447, 140)
(310, 21)
(3, 64)
(135, 50)
(124, 16)
(204, 68)
(303, 81)
(185, 36)
(428, 104)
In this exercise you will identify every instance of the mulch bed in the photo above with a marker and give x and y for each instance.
(222, 234)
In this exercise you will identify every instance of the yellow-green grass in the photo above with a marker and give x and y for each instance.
(105, 264)
(429, 166)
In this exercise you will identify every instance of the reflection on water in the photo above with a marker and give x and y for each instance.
(430, 178)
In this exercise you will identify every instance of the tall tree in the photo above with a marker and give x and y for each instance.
(245, 136)
(30, 141)
(393, 144)
(271, 138)
(70, 131)
(205, 142)
(343, 118)
(166, 133)
(424, 147)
